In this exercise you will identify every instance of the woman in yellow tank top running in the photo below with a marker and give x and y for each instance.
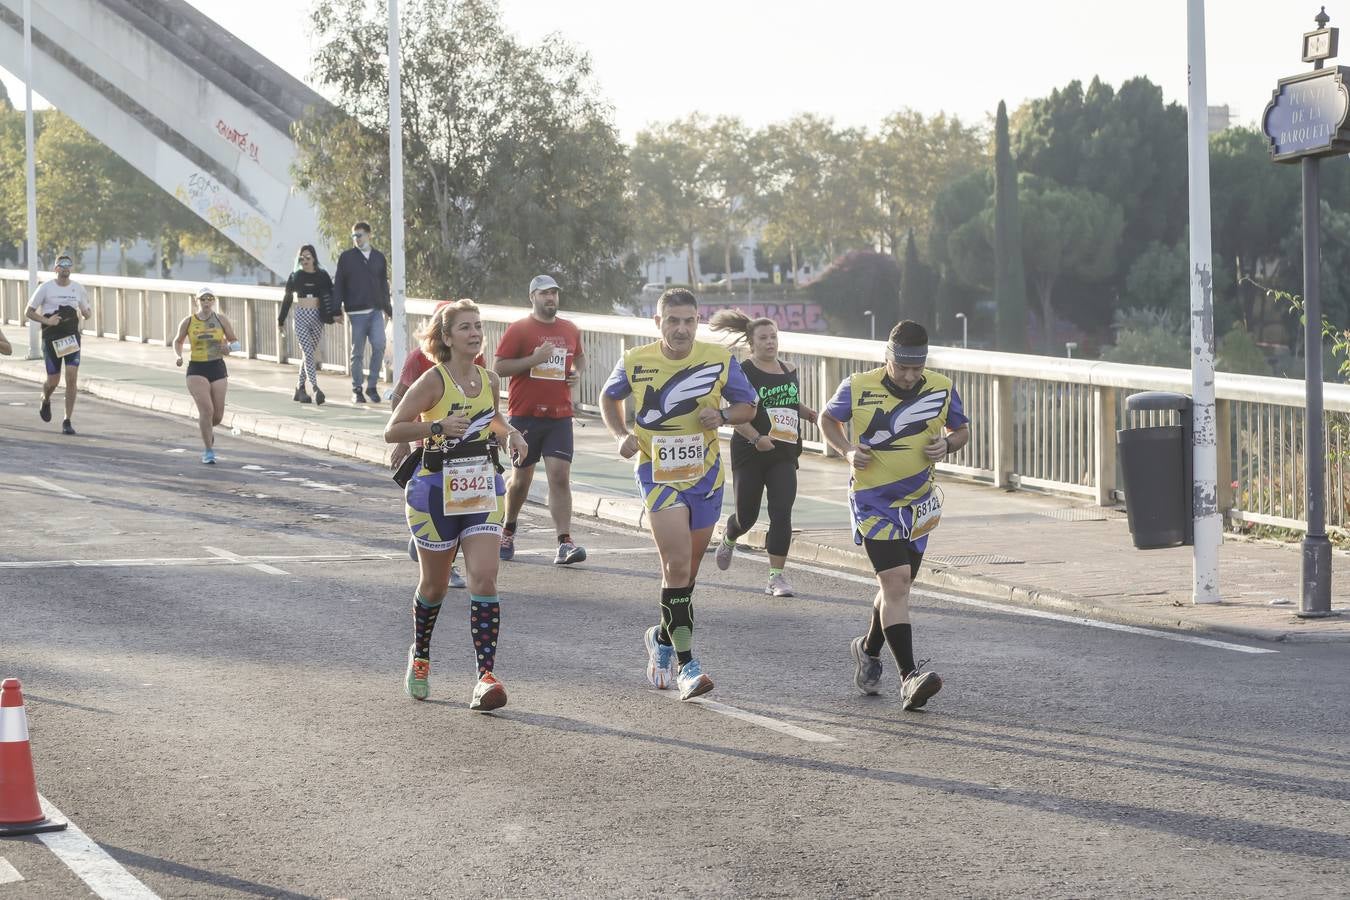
(455, 497)
(210, 338)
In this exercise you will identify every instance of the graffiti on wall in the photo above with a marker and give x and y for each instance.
(239, 138)
(204, 195)
(787, 316)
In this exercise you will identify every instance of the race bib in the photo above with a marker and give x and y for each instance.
(783, 424)
(677, 457)
(926, 515)
(554, 368)
(66, 345)
(469, 486)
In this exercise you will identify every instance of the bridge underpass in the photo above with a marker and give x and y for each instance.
(185, 102)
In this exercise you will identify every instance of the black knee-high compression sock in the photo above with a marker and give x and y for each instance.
(484, 625)
(901, 639)
(876, 638)
(424, 620)
(677, 620)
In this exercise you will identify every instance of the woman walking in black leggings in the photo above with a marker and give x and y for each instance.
(764, 451)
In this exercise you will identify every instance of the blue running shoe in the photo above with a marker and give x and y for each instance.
(692, 682)
(209, 457)
(660, 660)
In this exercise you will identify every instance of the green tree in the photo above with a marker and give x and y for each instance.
(814, 198)
(1239, 353)
(1010, 283)
(918, 286)
(669, 191)
(512, 165)
(1147, 337)
(910, 160)
(730, 179)
(1065, 231)
(858, 281)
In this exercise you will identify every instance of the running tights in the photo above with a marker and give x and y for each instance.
(308, 331)
(779, 477)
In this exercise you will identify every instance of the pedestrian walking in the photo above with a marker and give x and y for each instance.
(58, 305)
(309, 287)
(905, 418)
(361, 290)
(542, 356)
(210, 337)
(764, 451)
(680, 384)
(455, 497)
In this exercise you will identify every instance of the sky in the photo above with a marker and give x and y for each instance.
(858, 61)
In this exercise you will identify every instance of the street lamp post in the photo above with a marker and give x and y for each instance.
(34, 340)
(749, 278)
(1069, 347)
(964, 322)
(872, 321)
(396, 255)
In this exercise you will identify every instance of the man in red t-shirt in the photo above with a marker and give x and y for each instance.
(542, 355)
(415, 366)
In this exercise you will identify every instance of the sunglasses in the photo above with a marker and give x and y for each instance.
(306, 258)
(356, 236)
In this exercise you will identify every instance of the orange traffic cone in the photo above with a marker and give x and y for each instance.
(20, 811)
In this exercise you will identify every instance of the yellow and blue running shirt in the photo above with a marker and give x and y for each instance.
(670, 393)
(479, 408)
(895, 425)
(206, 338)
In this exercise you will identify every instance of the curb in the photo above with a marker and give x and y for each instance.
(631, 512)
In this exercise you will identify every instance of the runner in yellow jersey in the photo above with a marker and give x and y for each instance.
(454, 498)
(210, 338)
(905, 418)
(678, 384)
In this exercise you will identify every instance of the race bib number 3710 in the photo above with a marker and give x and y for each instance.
(677, 457)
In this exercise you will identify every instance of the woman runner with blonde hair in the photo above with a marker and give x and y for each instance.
(454, 498)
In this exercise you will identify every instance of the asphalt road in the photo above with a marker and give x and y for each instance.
(227, 727)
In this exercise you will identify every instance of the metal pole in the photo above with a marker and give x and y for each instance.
(1207, 522)
(1315, 596)
(396, 258)
(30, 174)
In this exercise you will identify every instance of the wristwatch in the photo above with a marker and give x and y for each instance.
(437, 429)
(721, 411)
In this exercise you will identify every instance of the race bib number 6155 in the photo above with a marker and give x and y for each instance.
(677, 457)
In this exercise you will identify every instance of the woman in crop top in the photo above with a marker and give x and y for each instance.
(307, 287)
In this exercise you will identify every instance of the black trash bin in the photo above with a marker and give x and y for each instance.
(1156, 465)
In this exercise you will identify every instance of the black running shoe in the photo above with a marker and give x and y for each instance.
(318, 396)
(358, 397)
(66, 427)
(918, 686)
(301, 396)
(373, 394)
(45, 410)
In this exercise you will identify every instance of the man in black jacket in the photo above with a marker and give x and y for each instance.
(361, 286)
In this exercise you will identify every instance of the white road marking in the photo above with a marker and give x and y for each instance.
(831, 501)
(155, 562)
(176, 450)
(104, 875)
(261, 567)
(1030, 612)
(790, 730)
(55, 488)
(8, 874)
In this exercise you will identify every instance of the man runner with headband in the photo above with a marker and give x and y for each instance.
(680, 384)
(900, 412)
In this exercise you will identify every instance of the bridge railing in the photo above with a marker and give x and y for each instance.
(1038, 422)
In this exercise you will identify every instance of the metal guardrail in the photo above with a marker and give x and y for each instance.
(1038, 422)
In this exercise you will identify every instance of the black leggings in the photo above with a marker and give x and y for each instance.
(780, 477)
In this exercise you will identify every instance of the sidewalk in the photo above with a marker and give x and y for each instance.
(1032, 549)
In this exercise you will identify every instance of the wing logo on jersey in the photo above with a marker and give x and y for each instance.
(885, 430)
(475, 426)
(679, 397)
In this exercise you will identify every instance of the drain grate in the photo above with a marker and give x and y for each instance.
(974, 559)
(1083, 514)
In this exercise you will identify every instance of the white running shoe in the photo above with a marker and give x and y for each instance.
(660, 660)
(692, 682)
(867, 669)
